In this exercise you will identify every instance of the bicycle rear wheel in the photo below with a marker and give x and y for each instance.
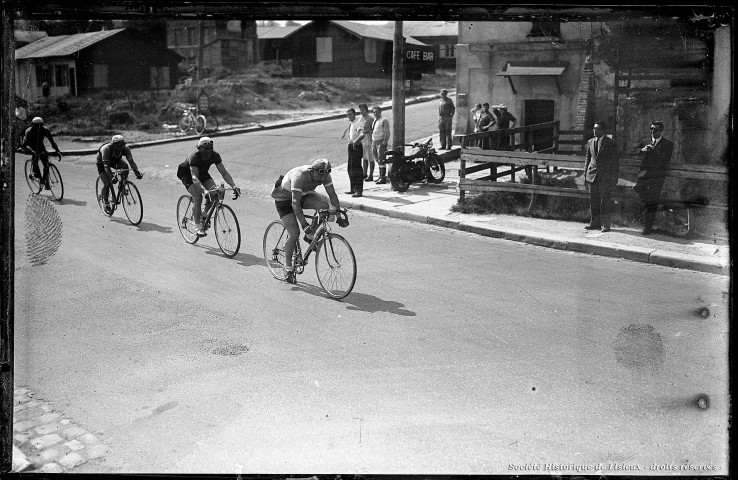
(227, 231)
(55, 182)
(275, 237)
(200, 124)
(132, 203)
(186, 219)
(184, 123)
(100, 202)
(335, 265)
(33, 183)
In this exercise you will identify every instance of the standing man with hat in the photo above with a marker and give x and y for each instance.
(33, 141)
(446, 111)
(355, 153)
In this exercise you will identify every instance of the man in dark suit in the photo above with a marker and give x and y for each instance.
(656, 153)
(601, 167)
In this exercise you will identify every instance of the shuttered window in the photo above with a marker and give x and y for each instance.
(324, 49)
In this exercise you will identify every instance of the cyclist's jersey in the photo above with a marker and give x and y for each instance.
(109, 158)
(195, 159)
(34, 138)
(299, 179)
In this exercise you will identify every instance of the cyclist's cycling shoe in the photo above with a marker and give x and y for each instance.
(201, 233)
(291, 278)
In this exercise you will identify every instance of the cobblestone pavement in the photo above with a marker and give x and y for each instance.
(49, 442)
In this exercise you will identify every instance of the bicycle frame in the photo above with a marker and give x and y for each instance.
(216, 202)
(118, 195)
(320, 220)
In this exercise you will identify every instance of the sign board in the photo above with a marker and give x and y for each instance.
(419, 59)
(203, 102)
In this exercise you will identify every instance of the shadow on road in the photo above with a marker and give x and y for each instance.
(359, 301)
(73, 202)
(143, 226)
(243, 259)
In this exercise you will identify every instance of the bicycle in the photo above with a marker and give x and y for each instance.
(335, 262)
(127, 194)
(190, 120)
(56, 185)
(225, 223)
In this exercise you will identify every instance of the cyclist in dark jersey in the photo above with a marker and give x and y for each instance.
(110, 155)
(33, 141)
(195, 177)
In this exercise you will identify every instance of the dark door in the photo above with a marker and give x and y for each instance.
(73, 81)
(540, 111)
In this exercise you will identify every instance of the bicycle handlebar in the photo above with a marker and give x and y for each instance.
(236, 191)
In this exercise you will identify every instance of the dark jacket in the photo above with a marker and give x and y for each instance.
(604, 164)
(655, 163)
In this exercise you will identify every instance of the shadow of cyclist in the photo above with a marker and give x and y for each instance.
(358, 301)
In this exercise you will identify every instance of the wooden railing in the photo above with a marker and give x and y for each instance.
(507, 139)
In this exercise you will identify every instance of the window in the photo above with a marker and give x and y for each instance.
(370, 50)
(177, 37)
(447, 51)
(99, 76)
(324, 49)
(43, 74)
(61, 76)
(545, 29)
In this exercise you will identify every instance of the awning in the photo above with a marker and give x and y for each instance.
(533, 69)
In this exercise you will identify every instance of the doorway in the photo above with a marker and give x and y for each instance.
(540, 111)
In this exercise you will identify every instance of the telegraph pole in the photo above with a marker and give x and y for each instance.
(200, 49)
(398, 94)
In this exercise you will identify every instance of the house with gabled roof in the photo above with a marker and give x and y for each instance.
(275, 43)
(86, 62)
(360, 55)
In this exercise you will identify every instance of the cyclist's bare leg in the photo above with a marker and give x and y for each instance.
(106, 185)
(209, 184)
(315, 200)
(293, 233)
(196, 195)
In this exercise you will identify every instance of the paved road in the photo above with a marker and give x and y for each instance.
(454, 353)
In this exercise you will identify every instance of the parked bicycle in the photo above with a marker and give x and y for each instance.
(190, 119)
(225, 223)
(56, 185)
(335, 262)
(127, 195)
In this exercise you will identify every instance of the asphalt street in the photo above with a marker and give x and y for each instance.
(455, 353)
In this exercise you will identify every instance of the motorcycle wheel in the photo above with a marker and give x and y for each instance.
(399, 179)
(436, 170)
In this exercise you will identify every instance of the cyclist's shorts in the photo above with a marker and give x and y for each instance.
(119, 164)
(284, 207)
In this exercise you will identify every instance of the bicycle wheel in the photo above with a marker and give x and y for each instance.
(186, 219)
(200, 124)
(100, 203)
(33, 183)
(55, 182)
(132, 203)
(212, 124)
(275, 237)
(184, 123)
(227, 231)
(335, 265)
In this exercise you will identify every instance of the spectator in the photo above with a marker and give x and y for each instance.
(380, 139)
(656, 153)
(446, 111)
(485, 124)
(355, 152)
(505, 120)
(367, 162)
(601, 167)
(476, 113)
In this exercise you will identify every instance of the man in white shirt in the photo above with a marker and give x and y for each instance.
(355, 153)
(380, 139)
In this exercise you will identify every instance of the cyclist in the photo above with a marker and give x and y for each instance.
(194, 175)
(110, 155)
(33, 141)
(295, 191)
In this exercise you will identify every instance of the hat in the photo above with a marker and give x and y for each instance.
(37, 120)
(502, 105)
(444, 91)
(320, 164)
(204, 141)
(478, 106)
(486, 104)
(118, 139)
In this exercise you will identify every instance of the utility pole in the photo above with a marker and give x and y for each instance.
(398, 95)
(7, 237)
(201, 48)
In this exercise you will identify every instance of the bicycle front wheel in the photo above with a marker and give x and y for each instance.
(132, 203)
(335, 265)
(227, 231)
(55, 182)
(186, 219)
(184, 123)
(200, 124)
(275, 238)
(33, 183)
(100, 202)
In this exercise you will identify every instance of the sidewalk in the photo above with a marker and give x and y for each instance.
(432, 204)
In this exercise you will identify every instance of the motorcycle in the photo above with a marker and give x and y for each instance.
(424, 164)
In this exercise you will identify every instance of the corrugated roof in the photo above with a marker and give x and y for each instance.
(28, 36)
(275, 33)
(62, 45)
(372, 31)
(429, 29)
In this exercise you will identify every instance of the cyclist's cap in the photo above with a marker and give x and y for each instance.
(37, 120)
(118, 139)
(321, 164)
(204, 141)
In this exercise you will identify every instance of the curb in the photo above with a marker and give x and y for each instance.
(592, 247)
